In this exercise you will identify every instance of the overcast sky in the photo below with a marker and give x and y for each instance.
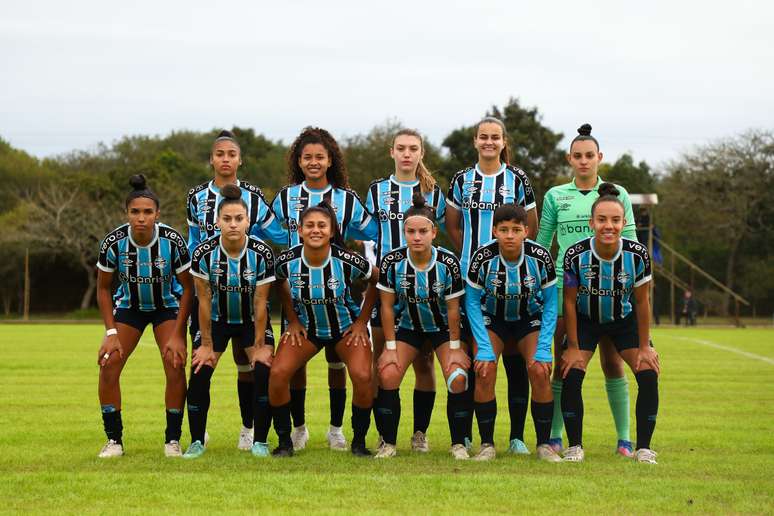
(653, 78)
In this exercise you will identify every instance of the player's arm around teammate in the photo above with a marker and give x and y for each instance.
(152, 263)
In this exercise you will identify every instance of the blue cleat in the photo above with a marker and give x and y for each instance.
(556, 444)
(517, 447)
(260, 449)
(468, 444)
(625, 449)
(194, 451)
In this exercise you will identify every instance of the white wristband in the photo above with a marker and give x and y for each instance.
(454, 344)
(111, 331)
(390, 344)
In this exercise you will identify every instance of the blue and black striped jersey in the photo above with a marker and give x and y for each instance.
(322, 298)
(354, 220)
(202, 205)
(605, 286)
(477, 195)
(233, 280)
(387, 201)
(512, 291)
(421, 294)
(146, 274)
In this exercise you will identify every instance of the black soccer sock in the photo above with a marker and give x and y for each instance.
(423, 410)
(468, 404)
(245, 392)
(111, 420)
(486, 414)
(261, 409)
(199, 402)
(518, 393)
(298, 406)
(572, 406)
(174, 425)
(458, 414)
(361, 420)
(647, 406)
(542, 416)
(378, 420)
(338, 398)
(389, 409)
(281, 416)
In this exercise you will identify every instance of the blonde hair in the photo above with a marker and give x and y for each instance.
(426, 179)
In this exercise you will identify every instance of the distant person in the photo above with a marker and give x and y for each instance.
(687, 310)
(151, 263)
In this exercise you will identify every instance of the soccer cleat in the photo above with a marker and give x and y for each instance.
(546, 453)
(299, 436)
(194, 451)
(336, 439)
(387, 451)
(245, 439)
(379, 443)
(283, 450)
(419, 442)
(556, 444)
(172, 449)
(573, 454)
(646, 456)
(206, 438)
(260, 449)
(624, 448)
(111, 449)
(487, 452)
(359, 450)
(459, 452)
(517, 447)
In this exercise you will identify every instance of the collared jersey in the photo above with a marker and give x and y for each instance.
(353, 219)
(146, 274)
(513, 291)
(233, 280)
(477, 195)
(566, 213)
(321, 296)
(388, 199)
(605, 286)
(421, 294)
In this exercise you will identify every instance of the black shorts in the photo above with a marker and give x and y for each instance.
(139, 319)
(376, 314)
(193, 319)
(222, 332)
(517, 330)
(417, 339)
(328, 344)
(622, 332)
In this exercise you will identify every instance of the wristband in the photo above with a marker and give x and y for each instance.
(390, 344)
(454, 344)
(111, 331)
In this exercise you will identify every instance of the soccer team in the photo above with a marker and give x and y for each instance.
(501, 296)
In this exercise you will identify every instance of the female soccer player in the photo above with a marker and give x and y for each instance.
(388, 199)
(155, 287)
(202, 202)
(233, 274)
(600, 275)
(426, 282)
(474, 194)
(566, 208)
(510, 298)
(316, 172)
(314, 279)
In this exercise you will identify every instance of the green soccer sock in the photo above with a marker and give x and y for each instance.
(618, 397)
(557, 423)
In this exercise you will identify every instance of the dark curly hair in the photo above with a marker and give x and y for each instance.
(337, 173)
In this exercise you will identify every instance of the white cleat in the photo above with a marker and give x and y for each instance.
(336, 439)
(379, 443)
(111, 449)
(459, 452)
(573, 454)
(387, 451)
(487, 452)
(245, 439)
(646, 456)
(172, 449)
(546, 452)
(419, 442)
(299, 436)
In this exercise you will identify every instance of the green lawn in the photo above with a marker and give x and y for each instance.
(714, 438)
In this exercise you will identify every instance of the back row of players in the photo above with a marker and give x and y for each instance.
(512, 297)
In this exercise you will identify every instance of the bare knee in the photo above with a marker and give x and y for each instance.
(361, 377)
(458, 385)
(390, 377)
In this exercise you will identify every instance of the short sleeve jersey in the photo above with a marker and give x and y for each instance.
(321, 295)
(146, 273)
(422, 294)
(477, 196)
(233, 280)
(513, 291)
(605, 286)
(388, 199)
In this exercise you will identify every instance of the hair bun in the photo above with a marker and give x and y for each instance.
(138, 182)
(418, 201)
(231, 192)
(608, 189)
(584, 130)
(225, 134)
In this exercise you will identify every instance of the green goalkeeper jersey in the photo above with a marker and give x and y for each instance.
(566, 213)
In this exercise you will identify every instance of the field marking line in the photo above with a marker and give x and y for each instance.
(726, 348)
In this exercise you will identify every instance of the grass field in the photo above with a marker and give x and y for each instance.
(714, 438)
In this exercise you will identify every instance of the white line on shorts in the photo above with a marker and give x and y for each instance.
(726, 348)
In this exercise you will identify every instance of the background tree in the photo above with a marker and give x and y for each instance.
(635, 178)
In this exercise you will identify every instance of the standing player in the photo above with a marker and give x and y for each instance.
(600, 275)
(202, 202)
(315, 279)
(566, 210)
(474, 194)
(388, 199)
(152, 263)
(233, 274)
(510, 297)
(426, 282)
(317, 172)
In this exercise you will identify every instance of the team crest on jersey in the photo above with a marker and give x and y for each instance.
(332, 283)
(504, 191)
(529, 281)
(160, 262)
(248, 274)
(623, 277)
(438, 287)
